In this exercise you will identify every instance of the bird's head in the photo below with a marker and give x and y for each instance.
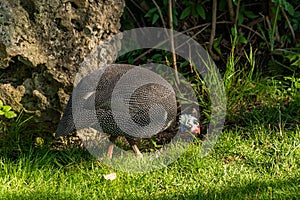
(189, 123)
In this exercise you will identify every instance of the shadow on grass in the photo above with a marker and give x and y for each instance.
(279, 189)
(288, 115)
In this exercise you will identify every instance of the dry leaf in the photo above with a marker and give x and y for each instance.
(110, 177)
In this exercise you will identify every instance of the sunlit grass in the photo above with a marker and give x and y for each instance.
(258, 164)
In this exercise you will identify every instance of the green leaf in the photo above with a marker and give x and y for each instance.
(130, 60)
(216, 44)
(200, 11)
(151, 12)
(175, 13)
(233, 31)
(297, 84)
(288, 7)
(157, 57)
(250, 14)
(165, 2)
(194, 12)
(6, 108)
(222, 4)
(243, 40)
(1, 112)
(1, 104)
(175, 21)
(155, 18)
(10, 114)
(240, 18)
(185, 13)
(183, 64)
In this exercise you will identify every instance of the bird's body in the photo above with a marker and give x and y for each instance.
(121, 100)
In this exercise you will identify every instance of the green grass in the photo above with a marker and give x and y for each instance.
(258, 164)
(256, 157)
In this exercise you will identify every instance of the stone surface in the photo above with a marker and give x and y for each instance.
(43, 43)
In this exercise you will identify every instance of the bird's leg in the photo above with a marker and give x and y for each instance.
(134, 147)
(137, 151)
(111, 147)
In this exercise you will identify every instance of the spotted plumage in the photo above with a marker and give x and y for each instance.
(141, 106)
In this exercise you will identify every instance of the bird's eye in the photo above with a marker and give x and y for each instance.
(196, 122)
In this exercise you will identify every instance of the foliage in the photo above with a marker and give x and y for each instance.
(160, 9)
(13, 138)
(270, 24)
(194, 9)
(6, 111)
(256, 44)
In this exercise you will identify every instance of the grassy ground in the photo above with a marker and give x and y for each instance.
(259, 159)
(253, 163)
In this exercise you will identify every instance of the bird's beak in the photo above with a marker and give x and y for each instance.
(196, 130)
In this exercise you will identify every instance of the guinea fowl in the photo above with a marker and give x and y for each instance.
(127, 101)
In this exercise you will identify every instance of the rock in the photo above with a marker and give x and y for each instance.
(43, 43)
(12, 96)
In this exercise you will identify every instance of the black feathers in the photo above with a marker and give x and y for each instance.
(120, 100)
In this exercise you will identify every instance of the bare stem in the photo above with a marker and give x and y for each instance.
(213, 30)
(172, 40)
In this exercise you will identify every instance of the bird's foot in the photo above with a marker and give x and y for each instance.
(137, 151)
(110, 151)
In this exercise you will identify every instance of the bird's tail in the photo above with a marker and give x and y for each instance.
(66, 124)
